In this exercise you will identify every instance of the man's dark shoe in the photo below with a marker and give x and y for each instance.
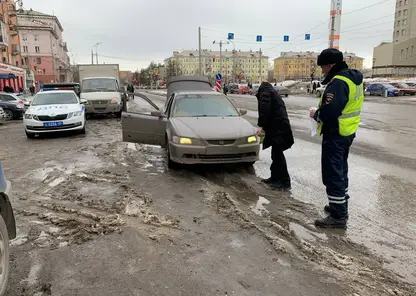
(331, 222)
(268, 181)
(280, 186)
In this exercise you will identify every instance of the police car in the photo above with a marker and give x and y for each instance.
(55, 111)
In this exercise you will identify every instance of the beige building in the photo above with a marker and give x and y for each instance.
(235, 65)
(301, 65)
(404, 20)
(398, 58)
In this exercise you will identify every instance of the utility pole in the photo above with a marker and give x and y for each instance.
(200, 51)
(331, 38)
(92, 56)
(220, 43)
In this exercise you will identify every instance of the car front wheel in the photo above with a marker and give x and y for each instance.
(4, 256)
(171, 163)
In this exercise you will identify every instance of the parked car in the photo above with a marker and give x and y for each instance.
(411, 83)
(2, 116)
(233, 88)
(378, 89)
(282, 90)
(404, 88)
(13, 106)
(195, 127)
(320, 91)
(55, 111)
(255, 88)
(243, 89)
(7, 229)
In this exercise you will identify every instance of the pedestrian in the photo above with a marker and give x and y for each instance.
(314, 87)
(225, 89)
(308, 88)
(32, 90)
(338, 117)
(274, 122)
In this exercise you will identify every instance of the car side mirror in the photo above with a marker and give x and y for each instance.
(84, 101)
(243, 112)
(157, 113)
(27, 104)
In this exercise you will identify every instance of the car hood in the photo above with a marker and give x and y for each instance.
(212, 127)
(96, 96)
(54, 109)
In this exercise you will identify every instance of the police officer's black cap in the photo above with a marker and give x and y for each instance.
(330, 56)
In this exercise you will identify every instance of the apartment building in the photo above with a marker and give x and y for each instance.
(11, 72)
(43, 48)
(301, 65)
(235, 65)
(398, 57)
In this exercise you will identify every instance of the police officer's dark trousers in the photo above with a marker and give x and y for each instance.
(335, 151)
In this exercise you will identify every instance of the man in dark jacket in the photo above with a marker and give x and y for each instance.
(274, 121)
(338, 119)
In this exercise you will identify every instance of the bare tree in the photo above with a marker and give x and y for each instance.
(173, 69)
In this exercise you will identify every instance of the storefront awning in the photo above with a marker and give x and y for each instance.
(7, 76)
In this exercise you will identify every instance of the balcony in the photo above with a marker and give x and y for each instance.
(15, 49)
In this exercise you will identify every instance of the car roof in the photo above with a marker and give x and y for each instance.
(57, 91)
(63, 84)
(109, 77)
(197, 92)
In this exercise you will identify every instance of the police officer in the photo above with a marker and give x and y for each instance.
(338, 117)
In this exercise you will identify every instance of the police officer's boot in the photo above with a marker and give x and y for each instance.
(331, 222)
(268, 180)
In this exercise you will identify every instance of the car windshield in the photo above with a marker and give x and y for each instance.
(99, 84)
(403, 85)
(388, 85)
(46, 98)
(203, 106)
(411, 84)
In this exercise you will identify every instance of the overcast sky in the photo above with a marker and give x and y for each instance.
(135, 32)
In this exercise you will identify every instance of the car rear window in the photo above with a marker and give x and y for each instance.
(203, 106)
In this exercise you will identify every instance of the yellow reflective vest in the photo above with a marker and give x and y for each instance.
(350, 117)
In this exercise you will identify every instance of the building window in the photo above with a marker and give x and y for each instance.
(404, 22)
(36, 37)
(26, 61)
(412, 52)
(38, 61)
(4, 60)
(37, 49)
(17, 63)
(406, 2)
(401, 54)
(400, 3)
(405, 12)
(44, 71)
(403, 32)
(399, 13)
(407, 53)
(24, 37)
(24, 48)
(23, 61)
(398, 23)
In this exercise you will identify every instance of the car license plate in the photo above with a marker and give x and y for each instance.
(53, 124)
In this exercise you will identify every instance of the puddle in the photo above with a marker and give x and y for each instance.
(307, 234)
(260, 208)
(106, 190)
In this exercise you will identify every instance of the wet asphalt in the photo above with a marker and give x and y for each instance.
(97, 216)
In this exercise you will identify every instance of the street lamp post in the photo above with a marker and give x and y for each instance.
(221, 44)
(96, 52)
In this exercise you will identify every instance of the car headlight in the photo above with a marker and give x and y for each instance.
(252, 139)
(78, 113)
(182, 140)
(115, 101)
(28, 116)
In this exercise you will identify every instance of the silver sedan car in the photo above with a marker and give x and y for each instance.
(195, 127)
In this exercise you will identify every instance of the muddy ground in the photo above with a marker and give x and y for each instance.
(98, 216)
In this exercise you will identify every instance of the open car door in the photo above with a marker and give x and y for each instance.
(144, 126)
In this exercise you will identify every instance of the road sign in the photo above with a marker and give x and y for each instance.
(227, 59)
(259, 38)
(230, 36)
(307, 36)
(286, 38)
(218, 76)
